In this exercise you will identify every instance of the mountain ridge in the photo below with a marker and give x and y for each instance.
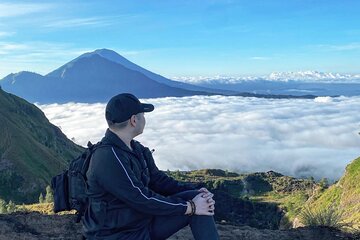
(307, 76)
(32, 150)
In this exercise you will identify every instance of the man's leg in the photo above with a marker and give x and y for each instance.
(202, 227)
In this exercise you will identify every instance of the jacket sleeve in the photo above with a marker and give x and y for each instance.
(162, 183)
(115, 176)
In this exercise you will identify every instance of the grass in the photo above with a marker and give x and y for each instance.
(344, 196)
(325, 217)
(43, 208)
(291, 203)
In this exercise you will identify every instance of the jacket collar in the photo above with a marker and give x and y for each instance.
(112, 139)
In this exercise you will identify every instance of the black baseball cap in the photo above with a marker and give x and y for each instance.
(122, 106)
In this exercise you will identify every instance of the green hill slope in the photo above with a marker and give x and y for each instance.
(32, 150)
(344, 195)
(261, 200)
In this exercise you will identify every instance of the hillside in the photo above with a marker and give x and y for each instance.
(262, 200)
(32, 150)
(343, 196)
(247, 198)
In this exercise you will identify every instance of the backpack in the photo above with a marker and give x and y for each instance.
(70, 187)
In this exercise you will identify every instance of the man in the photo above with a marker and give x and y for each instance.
(129, 197)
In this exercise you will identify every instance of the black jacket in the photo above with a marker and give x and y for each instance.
(126, 190)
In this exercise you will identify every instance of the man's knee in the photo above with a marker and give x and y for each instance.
(187, 195)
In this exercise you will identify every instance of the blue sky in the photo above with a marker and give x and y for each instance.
(185, 38)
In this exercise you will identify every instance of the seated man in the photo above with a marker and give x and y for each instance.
(129, 197)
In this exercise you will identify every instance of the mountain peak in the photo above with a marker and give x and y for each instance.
(12, 78)
(108, 54)
(112, 56)
(104, 50)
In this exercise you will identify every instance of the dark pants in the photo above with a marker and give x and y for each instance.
(202, 227)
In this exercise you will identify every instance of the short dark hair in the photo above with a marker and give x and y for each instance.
(119, 126)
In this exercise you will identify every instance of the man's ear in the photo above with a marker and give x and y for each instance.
(133, 120)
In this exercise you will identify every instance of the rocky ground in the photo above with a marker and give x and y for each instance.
(29, 226)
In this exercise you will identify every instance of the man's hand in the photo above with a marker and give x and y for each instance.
(204, 203)
(204, 190)
(206, 193)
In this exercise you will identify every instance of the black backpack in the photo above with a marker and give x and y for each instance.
(70, 187)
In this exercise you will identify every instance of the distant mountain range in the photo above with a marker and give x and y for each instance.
(304, 76)
(32, 150)
(285, 83)
(314, 76)
(292, 88)
(96, 77)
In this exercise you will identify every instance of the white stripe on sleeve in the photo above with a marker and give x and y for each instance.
(174, 204)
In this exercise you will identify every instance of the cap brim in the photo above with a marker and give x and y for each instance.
(147, 107)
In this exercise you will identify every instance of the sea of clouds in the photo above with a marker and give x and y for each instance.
(296, 137)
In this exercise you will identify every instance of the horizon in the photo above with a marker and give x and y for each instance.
(180, 39)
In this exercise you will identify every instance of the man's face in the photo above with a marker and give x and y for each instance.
(140, 123)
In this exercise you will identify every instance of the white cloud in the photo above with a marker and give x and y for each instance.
(31, 56)
(78, 22)
(323, 99)
(340, 47)
(6, 34)
(101, 21)
(294, 137)
(8, 47)
(260, 58)
(18, 9)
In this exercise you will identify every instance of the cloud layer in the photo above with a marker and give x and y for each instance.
(295, 137)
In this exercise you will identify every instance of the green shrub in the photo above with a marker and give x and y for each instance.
(41, 198)
(10, 207)
(3, 208)
(326, 217)
(49, 197)
(7, 207)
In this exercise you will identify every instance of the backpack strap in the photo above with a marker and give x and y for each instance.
(92, 148)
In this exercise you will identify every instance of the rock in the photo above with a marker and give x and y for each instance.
(297, 223)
